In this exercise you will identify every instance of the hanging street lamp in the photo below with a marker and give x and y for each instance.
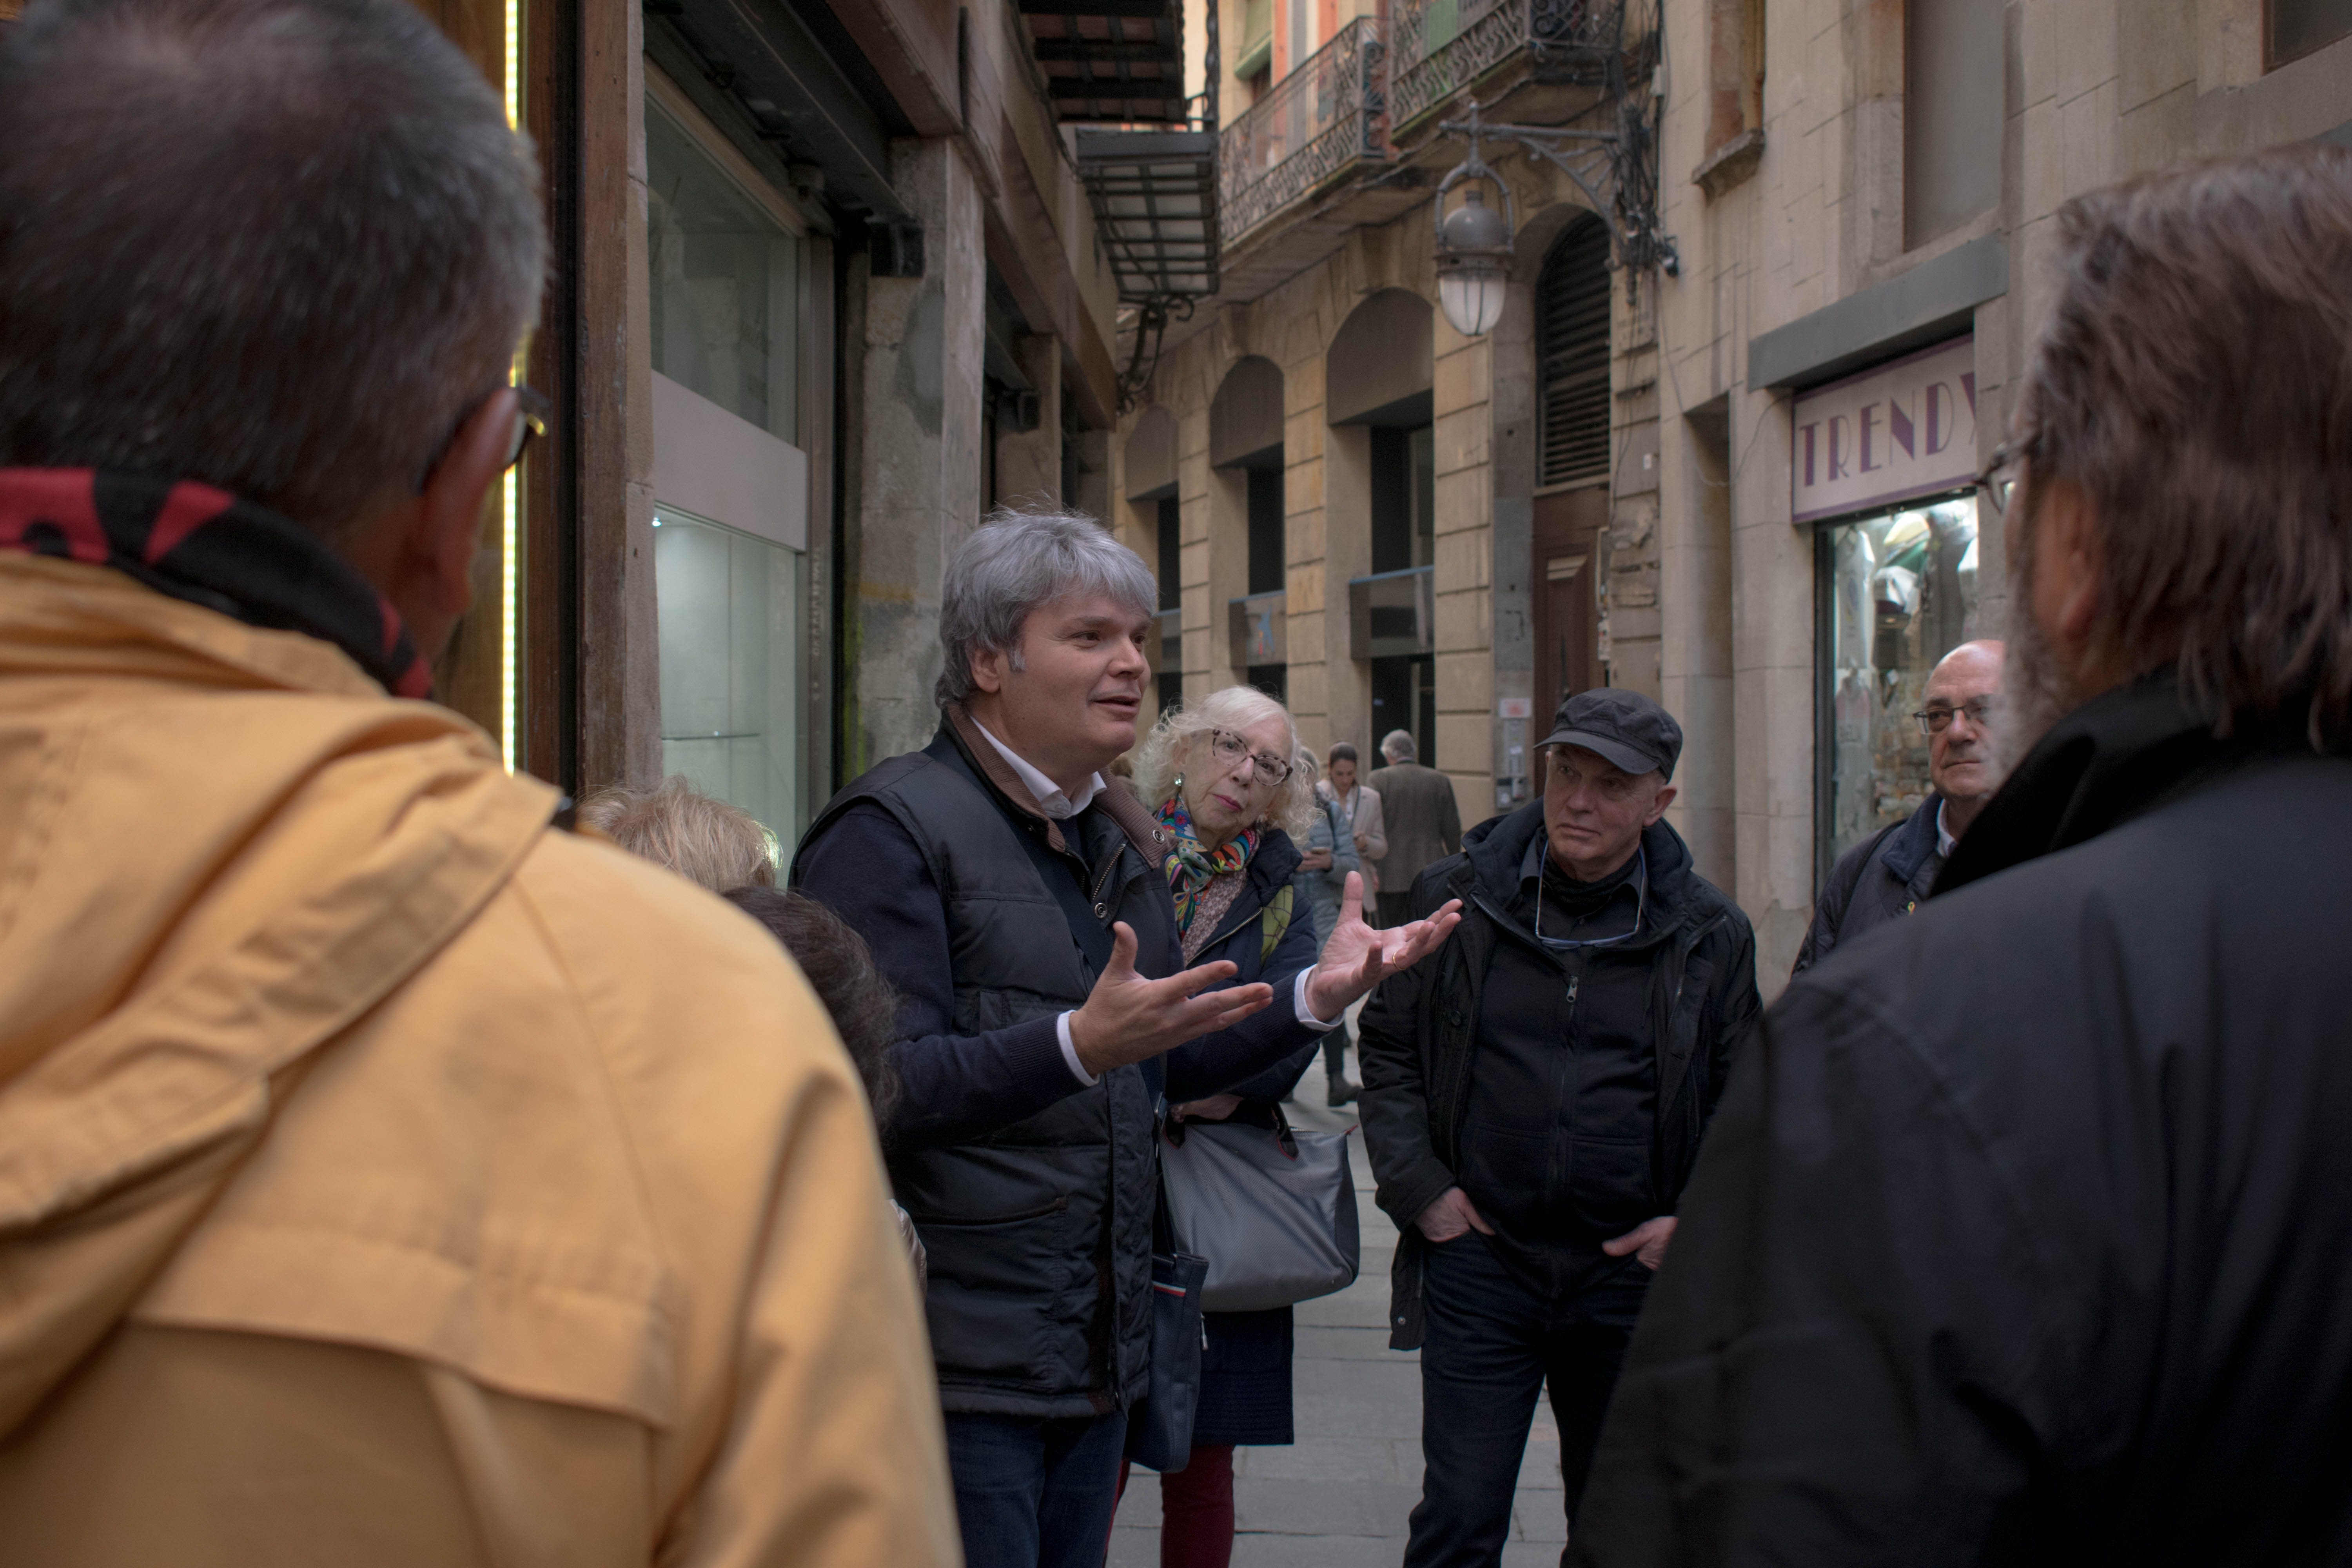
(1474, 251)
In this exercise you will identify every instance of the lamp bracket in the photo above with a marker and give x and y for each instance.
(1611, 168)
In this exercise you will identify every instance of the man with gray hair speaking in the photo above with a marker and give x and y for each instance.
(1020, 904)
(385, 1176)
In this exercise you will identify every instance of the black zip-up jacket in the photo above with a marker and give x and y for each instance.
(1419, 1030)
(2023, 1234)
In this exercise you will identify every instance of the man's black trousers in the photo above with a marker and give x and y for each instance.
(1493, 1344)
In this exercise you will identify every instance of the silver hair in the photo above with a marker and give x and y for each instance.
(278, 245)
(1017, 561)
(1397, 747)
(1165, 752)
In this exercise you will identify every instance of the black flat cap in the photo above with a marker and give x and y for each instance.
(1625, 727)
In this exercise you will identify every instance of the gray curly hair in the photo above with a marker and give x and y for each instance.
(1164, 753)
(1018, 560)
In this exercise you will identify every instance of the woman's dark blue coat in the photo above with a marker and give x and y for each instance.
(1245, 1365)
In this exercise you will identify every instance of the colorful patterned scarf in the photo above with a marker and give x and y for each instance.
(205, 546)
(1189, 869)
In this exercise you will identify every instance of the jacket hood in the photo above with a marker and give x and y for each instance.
(220, 846)
(1495, 846)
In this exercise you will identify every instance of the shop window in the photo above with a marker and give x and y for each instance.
(2297, 28)
(1898, 591)
(1572, 358)
(1952, 110)
(730, 488)
(727, 281)
(731, 619)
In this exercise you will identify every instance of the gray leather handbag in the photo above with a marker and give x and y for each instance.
(1273, 1210)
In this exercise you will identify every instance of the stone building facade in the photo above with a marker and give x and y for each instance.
(1781, 535)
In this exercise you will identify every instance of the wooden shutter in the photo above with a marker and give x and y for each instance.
(1572, 357)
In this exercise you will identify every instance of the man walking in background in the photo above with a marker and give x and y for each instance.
(385, 1176)
(1423, 822)
(1534, 1098)
(1887, 875)
(2022, 1237)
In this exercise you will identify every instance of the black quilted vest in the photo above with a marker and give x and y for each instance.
(1040, 1233)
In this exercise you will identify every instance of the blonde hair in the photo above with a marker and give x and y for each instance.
(701, 839)
(1163, 755)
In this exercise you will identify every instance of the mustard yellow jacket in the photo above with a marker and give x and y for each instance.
(386, 1178)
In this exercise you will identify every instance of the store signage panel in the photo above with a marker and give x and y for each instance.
(1895, 432)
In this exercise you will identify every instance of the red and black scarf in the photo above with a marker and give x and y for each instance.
(204, 546)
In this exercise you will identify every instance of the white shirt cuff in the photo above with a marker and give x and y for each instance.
(1070, 1051)
(1298, 1004)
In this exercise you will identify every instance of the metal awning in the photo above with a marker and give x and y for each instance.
(1154, 194)
(1118, 62)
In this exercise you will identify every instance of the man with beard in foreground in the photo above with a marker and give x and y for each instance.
(2020, 1235)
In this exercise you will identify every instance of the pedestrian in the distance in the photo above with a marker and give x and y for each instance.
(1534, 1099)
(1360, 808)
(1229, 778)
(1424, 821)
(2021, 1237)
(1329, 856)
(1889, 874)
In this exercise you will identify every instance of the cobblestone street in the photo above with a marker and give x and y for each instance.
(1339, 1498)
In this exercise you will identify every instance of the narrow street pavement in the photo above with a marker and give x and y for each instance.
(1339, 1498)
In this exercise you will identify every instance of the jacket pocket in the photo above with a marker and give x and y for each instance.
(1608, 1184)
(999, 1285)
(1504, 1174)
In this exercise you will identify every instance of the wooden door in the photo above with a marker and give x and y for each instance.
(1564, 577)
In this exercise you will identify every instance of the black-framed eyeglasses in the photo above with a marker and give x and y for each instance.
(532, 410)
(1936, 720)
(1999, 481)
(1230, 749)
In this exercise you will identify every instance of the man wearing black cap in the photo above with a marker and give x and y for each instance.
(1534, 1096)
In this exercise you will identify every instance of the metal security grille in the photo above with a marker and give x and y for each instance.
(1572, 356)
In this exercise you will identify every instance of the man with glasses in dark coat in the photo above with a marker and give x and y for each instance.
(1887, 875)
(1534, 1097)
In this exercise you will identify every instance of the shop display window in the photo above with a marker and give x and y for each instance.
(1898, 591)
(731, 634)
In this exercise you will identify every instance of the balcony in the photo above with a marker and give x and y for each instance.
(1318, 124)
(1437, 48)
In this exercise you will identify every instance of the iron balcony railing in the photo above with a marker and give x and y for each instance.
(1320, 120)
(1437, 48)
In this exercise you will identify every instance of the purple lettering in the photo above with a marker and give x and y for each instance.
(1869, 419)
(1809, 430)
(1969, 385)
(1838, 457)
(1939, 430)
(1899, 428)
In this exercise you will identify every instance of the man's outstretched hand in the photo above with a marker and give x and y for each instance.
(1128, 1018)
(1357, 958)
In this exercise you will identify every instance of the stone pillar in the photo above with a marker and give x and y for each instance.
(1465, 673)
(919, 457)
(1029, 462)
(1346, 553)
(1695, 603)
(1306, 528)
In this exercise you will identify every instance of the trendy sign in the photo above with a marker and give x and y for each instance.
(1898, 431)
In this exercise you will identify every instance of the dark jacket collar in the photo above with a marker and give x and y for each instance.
(1911, 845)
(2119, 755)
(1497, 847)
(1115, 800)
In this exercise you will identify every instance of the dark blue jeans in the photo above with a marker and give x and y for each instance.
(1033, 1492)
(1493, 1344)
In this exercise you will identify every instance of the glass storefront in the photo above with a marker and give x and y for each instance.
(730, 300)
(1898, 591)
(731, 697)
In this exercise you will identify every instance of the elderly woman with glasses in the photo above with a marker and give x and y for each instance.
(1231, 784)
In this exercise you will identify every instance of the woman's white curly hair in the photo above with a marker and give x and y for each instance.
(1169, 750)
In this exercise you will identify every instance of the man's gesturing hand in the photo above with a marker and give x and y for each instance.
(1356, 957)
(1649, 1238)
(1128, 1018)
(1450, 1216)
